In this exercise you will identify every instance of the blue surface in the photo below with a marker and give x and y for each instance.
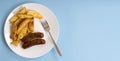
(89, 30)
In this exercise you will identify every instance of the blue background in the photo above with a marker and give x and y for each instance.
(89, 30)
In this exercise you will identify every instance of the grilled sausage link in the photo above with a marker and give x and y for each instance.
(33, 42)
(31, 36)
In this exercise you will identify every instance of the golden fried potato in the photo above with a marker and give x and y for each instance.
(15, 42)
(22, 32)
(28, 30)
(34, 13)
(22, 10)
(13, 19)
(31, 26)
(24, 16)
(19, 36)
(13, 34)
(23, 24)
(14, 29)
(18, 21)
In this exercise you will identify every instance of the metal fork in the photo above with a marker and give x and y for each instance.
(47, 28)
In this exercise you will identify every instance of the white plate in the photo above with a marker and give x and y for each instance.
(38, 50)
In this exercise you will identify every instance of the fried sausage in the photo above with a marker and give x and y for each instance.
(33, 42)
(31, 36)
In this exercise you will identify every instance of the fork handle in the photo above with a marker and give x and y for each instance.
(56, 47)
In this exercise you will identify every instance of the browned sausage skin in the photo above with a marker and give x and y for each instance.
(31, 36)
(32, 39)
(33, 42)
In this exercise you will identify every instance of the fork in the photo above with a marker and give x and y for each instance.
(47, 29)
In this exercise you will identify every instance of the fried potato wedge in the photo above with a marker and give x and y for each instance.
(28, 30)
(22, 10)
(23, 24)
(22, 33)
(34, 13)
(15, 42)
(18, 21)
(13, 19)
(31, 26)
(14, 29)
(24, 16)
(13, 34)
